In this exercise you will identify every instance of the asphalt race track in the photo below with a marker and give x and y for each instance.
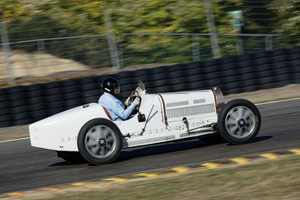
(23, 167)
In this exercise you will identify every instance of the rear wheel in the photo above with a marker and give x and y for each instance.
(239, 121)
(99, 141)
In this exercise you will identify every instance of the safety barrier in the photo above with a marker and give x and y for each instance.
(26, 104)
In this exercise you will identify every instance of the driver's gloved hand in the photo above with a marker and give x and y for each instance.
(137, 101)
(127, 101)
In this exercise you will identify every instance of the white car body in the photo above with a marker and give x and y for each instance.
(87, 131)
(59, 132)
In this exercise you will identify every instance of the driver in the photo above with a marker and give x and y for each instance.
(114, 106)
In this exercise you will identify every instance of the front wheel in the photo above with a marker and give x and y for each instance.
(99, 141)
(239, 121)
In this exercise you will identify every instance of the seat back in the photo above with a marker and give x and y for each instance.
(106, 112)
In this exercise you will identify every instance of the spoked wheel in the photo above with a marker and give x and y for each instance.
(99, 141)
(239, 121)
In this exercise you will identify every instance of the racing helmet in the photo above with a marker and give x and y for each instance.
(110, 84)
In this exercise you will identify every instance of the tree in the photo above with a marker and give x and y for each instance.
(287, 16)
(33, 19)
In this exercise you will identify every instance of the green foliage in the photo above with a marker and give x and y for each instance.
(287, 21)
(53, 19)
(287, 15)
(28, 20)
(35, 28)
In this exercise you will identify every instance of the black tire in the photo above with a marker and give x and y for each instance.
(101, 136)
(5, 111)
(178, 80)
(158, 70)
(35, 100)
(72, 157)
(160, 76)
(239, 121)
(261, 61)
(6, 124)
(294, 56)
(4, 104)
(141, 72)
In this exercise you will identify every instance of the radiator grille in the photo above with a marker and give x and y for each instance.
(190, 110)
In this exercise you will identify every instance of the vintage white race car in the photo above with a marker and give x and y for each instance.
(87, 132)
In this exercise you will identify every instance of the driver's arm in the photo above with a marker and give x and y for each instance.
(120, 111)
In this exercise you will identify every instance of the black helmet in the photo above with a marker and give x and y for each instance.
(110, 84)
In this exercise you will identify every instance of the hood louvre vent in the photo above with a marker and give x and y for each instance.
(179, 103)
(197, 101)
(190, 110)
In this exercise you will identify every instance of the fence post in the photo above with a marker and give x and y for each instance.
(196, 48)
(41, 53)
(239, 46)
(7, 50)
(269, 43)
(113, 49)
(121, 58)
(212, 29)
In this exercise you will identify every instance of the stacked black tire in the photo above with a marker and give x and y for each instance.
(26, 104)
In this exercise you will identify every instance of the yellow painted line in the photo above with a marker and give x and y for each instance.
(180, 169)
(240, 161)
(270, 156)
(295, 151)
(147, 175)
(17, 194)
(49, 189)
(79, 184)
(211, 165)
(118, 180)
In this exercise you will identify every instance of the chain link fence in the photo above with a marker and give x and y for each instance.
(52, 37)
(55, 55)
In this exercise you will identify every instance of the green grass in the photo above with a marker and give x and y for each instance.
(267, 180)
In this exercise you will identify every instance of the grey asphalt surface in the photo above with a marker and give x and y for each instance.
(23, 167)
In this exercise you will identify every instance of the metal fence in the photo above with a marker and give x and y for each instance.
(51, 38)
(47, 56)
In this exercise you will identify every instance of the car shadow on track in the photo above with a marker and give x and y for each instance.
(262, 138)
(132, 153)
(257, 139)
(161, 149)
(173, 147)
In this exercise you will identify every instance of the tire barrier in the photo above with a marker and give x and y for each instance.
(26, 104)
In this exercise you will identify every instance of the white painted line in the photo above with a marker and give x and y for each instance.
(14, 140)
(279, 101)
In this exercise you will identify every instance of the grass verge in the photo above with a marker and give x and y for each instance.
(267, 180)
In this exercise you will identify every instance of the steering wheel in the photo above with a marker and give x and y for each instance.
(131, 97)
